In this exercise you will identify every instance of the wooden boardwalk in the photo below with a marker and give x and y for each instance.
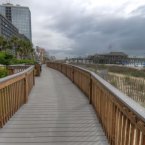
(57, 113)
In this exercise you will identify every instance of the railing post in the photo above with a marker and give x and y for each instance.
(26, 89)
(1, 116)
(10, 71)
(33, 77)
(90, 97)
(61, 68)
(37, 69)
(73, 74)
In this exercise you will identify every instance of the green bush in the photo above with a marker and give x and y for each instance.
(3, 72)
(8, 59)
(5, 58)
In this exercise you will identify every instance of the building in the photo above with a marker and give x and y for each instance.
(7, 29)
(41, 54)
(19, 16)
(110, 58)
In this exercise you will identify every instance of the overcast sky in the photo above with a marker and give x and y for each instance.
(82, 27)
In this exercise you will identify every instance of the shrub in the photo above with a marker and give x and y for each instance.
(5, 58)
(3, 72)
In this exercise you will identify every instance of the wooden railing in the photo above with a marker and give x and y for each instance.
(13, 69)
(14, 91)
(122, 119)
(37, 69)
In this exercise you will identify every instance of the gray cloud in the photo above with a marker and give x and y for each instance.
(92, 35)
(67, 28)
(102, 33)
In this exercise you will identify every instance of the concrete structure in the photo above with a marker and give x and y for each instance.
(19, 16)
(110, 58)
(41, 54)
(118, 58)
(7, 29)
(57, 113)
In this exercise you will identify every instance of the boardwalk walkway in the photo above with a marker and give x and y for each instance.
(57, 114)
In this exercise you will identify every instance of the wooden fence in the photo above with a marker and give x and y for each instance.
(14, 91)
(122, 119)
(13, 69)
(131, 86)
(37, 69)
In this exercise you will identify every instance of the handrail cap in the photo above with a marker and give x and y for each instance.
(2, 80)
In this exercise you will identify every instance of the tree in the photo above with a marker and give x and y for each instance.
(1, 43)
(5, 58)
(25, 49)
(15, 44)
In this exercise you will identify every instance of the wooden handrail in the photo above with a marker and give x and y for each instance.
(13, 69)
(122, 119)
(14, 91)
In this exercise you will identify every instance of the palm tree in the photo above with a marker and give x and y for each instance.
(32, 50)
(15, 44)
(1, 42)
(23, 48)
(8, 46)
(26, 48)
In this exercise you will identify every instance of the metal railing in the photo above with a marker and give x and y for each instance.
(122, 119)
(14, 91)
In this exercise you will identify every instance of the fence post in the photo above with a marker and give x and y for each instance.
(61, 68)
(1, 116)
(10, 71)
(26, 89)
(73, 74)
(90, 97)
(33, 77)
(37, 69)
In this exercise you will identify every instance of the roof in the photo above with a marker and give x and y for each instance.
(117, 53)
(11, 5)
(113, 54)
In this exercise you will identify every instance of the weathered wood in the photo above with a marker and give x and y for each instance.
(13, 69)
(37, 69)
(14, 91)
(57, 113)
(122, 119)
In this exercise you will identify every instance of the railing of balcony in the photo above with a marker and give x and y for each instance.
(14, 91)
(122, 119)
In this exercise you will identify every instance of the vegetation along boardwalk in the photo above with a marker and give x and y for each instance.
(56, 113)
